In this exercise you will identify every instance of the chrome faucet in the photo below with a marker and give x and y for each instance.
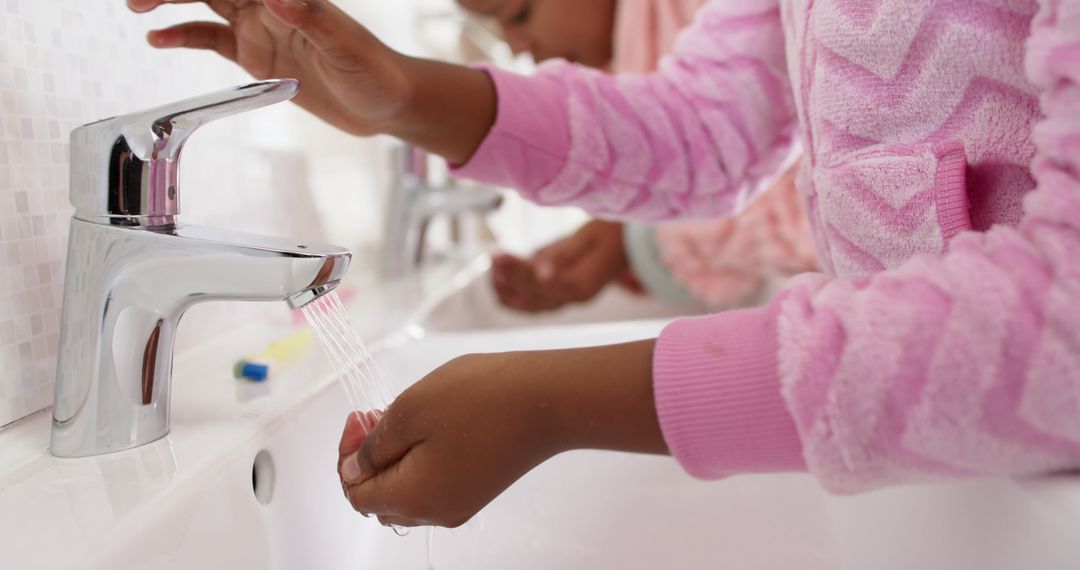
(133, 270)
(413, 201)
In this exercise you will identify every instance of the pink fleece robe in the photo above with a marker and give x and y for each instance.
(942, 182)
(722, 263)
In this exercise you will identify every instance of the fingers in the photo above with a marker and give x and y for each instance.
(321, 23)
(387, 493)
(380, 494)
(513, 280)
(518, 288)
(194, 35)
(629, 280)
(387, 520)
(384, 445)
(574, 269)
(502, 268)
(592, 272)
(147, 5)
(197, 35)
(401, 495)
(551, 259)
(357, 426)
(225, 8)
(601, 259)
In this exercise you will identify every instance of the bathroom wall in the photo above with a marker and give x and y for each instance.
(64, 63)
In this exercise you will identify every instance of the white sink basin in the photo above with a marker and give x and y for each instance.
(473, 305)
(190, 500)
(581, 510)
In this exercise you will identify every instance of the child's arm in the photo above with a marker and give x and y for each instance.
(960, 365)
(692, 139)
(348, 77)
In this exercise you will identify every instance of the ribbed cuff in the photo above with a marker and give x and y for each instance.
(717, 389)
(950, 190)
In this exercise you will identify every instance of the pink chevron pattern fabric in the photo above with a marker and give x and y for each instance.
(721, 262)
(942, 182)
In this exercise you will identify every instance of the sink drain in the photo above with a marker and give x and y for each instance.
(262, 477)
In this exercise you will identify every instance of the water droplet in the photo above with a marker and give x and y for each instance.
(430, 548)
(400, 530)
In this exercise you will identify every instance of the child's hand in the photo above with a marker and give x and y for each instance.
(572, 270)
(518, 287)
(447, 446)
(349, 78)
(466, 432)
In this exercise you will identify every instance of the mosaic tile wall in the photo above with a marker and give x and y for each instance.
(68, 62)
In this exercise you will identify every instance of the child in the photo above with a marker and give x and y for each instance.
(719, 264)
(942, 179)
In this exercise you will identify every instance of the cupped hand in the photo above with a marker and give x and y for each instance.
(572, 270)
(446, 447)
(459, 437)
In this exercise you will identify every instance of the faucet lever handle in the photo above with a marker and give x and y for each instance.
(124, 169)
(197, 111)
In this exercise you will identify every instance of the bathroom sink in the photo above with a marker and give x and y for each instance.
(581, 510)
(246, 479)
(273, 500)
(470, 304)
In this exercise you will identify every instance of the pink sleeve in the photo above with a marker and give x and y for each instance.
(688, 140)
(645, 30)
(960, 365)
(721, 262)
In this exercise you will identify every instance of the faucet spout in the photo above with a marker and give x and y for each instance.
(413, 202)
(126, 292)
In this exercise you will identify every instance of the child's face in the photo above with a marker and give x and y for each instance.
(577, 30)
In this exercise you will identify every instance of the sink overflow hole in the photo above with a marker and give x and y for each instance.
(263, 477)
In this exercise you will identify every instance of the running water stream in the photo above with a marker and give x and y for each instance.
(360, 376)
